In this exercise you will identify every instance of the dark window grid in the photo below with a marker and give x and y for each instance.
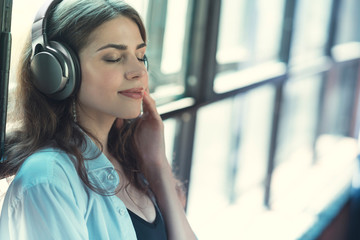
(201, 68)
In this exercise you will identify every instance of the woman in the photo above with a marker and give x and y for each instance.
(81, 161)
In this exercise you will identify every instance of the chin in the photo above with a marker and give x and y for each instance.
(132, 115)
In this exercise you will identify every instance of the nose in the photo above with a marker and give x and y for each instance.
(135, 74)
(135, 71)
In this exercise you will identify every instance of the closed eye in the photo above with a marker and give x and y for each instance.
(113, 60)
(144, 60)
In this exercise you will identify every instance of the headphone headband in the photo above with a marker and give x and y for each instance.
(38, 31)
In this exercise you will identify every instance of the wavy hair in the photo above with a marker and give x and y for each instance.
(43, 122)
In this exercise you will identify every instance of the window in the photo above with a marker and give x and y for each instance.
(23, 14)
(170, 132)
(209, 191)
(310, 30)
(255, 111)
(348, 28)
(168, 25)
(230, 158)
(297, 137)
(340, 115)
(299, 118)
(249, 36)
(249, 32)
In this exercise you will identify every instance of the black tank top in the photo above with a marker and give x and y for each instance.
(149, 231)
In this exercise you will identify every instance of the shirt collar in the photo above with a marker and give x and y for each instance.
(100, 171)
(94, 158)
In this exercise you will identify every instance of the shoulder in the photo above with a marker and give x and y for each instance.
(43, 168)
(46, 165)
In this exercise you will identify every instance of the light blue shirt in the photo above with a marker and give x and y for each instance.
(48, 200)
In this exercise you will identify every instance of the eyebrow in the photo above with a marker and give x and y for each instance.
(120, 46)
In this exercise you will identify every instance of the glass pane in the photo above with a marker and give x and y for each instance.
(222, 174)
(173, 47)
(208, 187)
(168, 28)
(296, 134)
(256, 113)
(231, 41)
(303, 179)
(244, 26)
(23, 14)
(4, 185)
(348, 29)
(170, 130)
(341, 90)
(310, 30)
(298, 121)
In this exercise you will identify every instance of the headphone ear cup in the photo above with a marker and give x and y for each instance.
(72, 65)
(56, 71)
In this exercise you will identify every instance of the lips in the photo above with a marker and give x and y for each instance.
(135, 93)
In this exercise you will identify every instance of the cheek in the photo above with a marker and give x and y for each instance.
(93, 87)
(97, 79)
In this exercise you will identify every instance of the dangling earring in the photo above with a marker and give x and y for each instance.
(74, 110)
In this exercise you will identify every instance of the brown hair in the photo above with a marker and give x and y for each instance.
(43, 122)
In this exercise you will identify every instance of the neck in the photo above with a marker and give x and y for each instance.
(99, 130)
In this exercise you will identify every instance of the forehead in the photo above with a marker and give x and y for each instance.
(120, 30)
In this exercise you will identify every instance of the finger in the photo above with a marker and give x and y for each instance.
(149, 105)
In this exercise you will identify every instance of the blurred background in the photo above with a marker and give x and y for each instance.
(260, 100)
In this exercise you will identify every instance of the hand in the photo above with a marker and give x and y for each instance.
(149, 136)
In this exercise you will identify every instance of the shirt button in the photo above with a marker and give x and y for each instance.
(110, 177)
(122, 211)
